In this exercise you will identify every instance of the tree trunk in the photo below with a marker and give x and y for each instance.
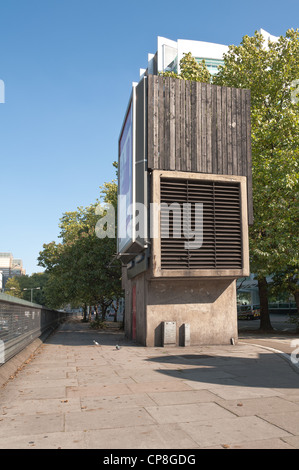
(84, 312)
(103, 311)
(116, 309)
(265, 323)
(296, 295)
(89, 314)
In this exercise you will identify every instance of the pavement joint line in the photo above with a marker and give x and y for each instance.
(283, 355)
(276, 425)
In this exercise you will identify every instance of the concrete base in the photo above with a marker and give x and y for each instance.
(207, 305)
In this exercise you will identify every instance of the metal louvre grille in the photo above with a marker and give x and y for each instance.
(222, 240)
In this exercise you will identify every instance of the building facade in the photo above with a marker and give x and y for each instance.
(9, 267)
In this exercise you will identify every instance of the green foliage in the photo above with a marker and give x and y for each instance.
(287, 281)
(33, 281)
(20, 286)
(12, 287)
(191, 70)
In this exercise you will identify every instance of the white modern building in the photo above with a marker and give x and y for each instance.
(170, 52)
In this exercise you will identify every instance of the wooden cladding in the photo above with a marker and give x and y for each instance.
(221, 231)
(198, 127)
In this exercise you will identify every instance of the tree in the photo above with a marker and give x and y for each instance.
(269, 71)
(35, 280)
(287, 281)
(191, 70)
(12, 287)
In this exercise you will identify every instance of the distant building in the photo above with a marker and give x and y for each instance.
(17, 267)
(9, 267)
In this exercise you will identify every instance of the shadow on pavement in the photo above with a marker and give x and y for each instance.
(267, 371)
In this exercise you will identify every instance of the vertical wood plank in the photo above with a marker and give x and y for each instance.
(198, 126)
(172, 126)
(214, 111)
(234, 132)
(166, 161)
(244, 133)
(150, 126)
(220, 118)
(209, 168)
(161, 118)
(249, 158)
(177, 124)
(224, 129)
(193, 126)
(204, 128)
(229, 132)
(239, 165)
(188, 126)
(183, 125)
(155, 118)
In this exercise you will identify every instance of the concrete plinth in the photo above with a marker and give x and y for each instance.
(208, 306)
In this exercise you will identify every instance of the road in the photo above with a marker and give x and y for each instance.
(279, 322)
(284, 337)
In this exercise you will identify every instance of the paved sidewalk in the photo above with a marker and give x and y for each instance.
(73, 393)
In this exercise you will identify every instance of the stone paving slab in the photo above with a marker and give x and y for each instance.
(35, 424)
(116, 401)
(72, 394)
(258, 407)
(180, 398)
(285, 420)
(228, 431)
(187, 413)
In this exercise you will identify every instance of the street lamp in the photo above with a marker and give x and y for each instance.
(31, 288)
(10, 288)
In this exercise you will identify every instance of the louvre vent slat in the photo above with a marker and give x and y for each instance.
(222, 240)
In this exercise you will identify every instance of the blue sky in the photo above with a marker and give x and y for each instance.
(68, 66)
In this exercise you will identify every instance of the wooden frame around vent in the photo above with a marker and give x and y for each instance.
(238, 266)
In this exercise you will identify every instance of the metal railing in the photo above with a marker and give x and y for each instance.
(21, 322)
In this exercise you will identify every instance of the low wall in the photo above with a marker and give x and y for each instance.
(21, 323)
